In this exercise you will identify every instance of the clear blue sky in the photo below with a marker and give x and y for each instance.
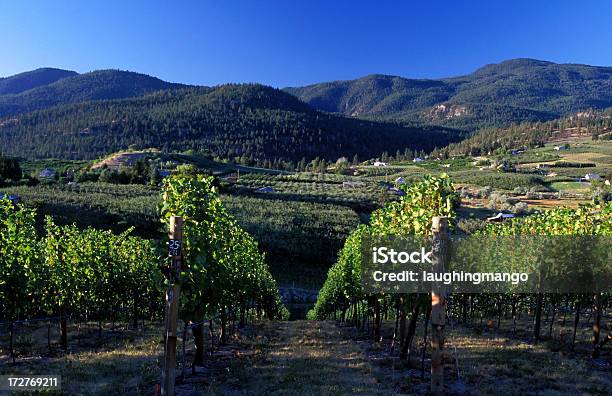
(296, 42)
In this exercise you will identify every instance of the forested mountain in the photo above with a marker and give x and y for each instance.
(58, 113)
(494, 95)
(97, 85)
(249, 123)
(593, 124)
(32, 79)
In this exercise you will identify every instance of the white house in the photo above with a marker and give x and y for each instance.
(379, 163)
(592, 176)
(418, 159)
(559, 148)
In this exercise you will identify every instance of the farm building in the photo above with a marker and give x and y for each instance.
(418, 159)
(47, 173)
(400, 180)
(379, 163)
(500, 217)
(592, 176)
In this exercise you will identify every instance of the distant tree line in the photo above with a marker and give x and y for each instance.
(9, 169)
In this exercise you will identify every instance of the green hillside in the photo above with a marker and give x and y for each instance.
(591, 124)
(250, 124)
(494, 95)
(32, 79)
(97, 85)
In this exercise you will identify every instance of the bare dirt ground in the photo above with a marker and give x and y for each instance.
(306, 358)
(323, 358)
(327, 358)
(121, 159)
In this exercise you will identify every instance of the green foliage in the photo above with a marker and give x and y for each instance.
(584, 220)
(20, 258)
(80, 272)
(564, 260)
(411, 215)
(102, 274)
(293, 226)
(141, 173)
(500, 180)
(433, 196)
(296, 232)
(364, 195)
(100, 205)
(224, 269)
(98, 270)
(9, 168)
(530, 135)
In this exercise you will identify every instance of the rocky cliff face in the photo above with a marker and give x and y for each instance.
(447, 112)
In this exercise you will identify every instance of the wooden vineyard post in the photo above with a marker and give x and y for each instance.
(12, 341)
(439, 229)
(172, 304)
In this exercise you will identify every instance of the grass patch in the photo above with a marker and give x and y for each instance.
(569, 186)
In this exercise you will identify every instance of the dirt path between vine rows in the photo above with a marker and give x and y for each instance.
(306, 358)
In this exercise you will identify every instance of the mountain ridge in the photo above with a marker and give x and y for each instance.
(493, 95)
(92, 114)
(95, 85)
(25, 81)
